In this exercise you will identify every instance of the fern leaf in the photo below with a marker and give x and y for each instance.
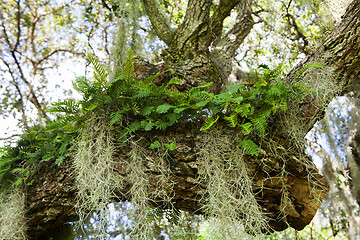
(146, 111)
(209, 122)
(174, 81)
(206, 85)
(81, 85)
(232, 119)
(164, 108)
(244, 109)
(155, 145)
(259, 122)
(134, 126)
(234, 88)
(179, 109)
(100, 72)
(246, 128)
(147, 125)
(129, 65)
(249, 147)
(150, 79)
(116, 117)
(161, 124)
(173, 118)
(141, 94)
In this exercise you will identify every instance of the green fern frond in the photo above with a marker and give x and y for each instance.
(150, 79)
(164, 108)
(244, 109)
(161, 124)
(129, 62)
(246, 128)
(146, 111)
(134, 126)
(173, 81)
(147, 125)
(69, 106)
(173, 117)
(100, 72)
(259, 122)
(232, 119)
(249, 147)
(116, 117)
(206, 85)
(81, 85)
(141, 94)
(209, 122)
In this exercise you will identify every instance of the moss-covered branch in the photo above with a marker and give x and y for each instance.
(159, 21)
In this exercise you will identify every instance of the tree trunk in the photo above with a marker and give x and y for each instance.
(288, 186)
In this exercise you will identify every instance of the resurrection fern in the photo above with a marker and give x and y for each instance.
(140, 105)
(20, 162)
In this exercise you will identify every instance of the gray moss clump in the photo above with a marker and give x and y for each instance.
(228, 198)
(12, 215)
(94, 166)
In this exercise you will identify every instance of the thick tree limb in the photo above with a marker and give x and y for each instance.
(194, 28)
(222, 11)
(341, 48)
(224, 48)
(159, 21)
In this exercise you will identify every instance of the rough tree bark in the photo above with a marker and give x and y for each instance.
(51, 197)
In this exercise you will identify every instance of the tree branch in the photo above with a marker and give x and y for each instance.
(196, 25)
(225, 47)
(300, 35)
(18, 34)
(9, 137)
(159, 21)
(57, 51)
(16, 85)
(222, 11)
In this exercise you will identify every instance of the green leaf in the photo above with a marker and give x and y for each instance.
(244, 109)
(92, 107)
(232, 119)
(201, 104)
(259, 122)
(209, 122)
(161, 124)
(18, 170)
(173, 117)
(164, 108)
(234, 88)
(174, 81)
(146, 111)
(155, 145)
(59, 160)
(30, 183)
(134, 126)
(115, 117)
(18, 182)
(47, 157)
(141, 94)
(249, 147)
(179, 110)
(147, 126)
(170, 146)
(246, 128)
